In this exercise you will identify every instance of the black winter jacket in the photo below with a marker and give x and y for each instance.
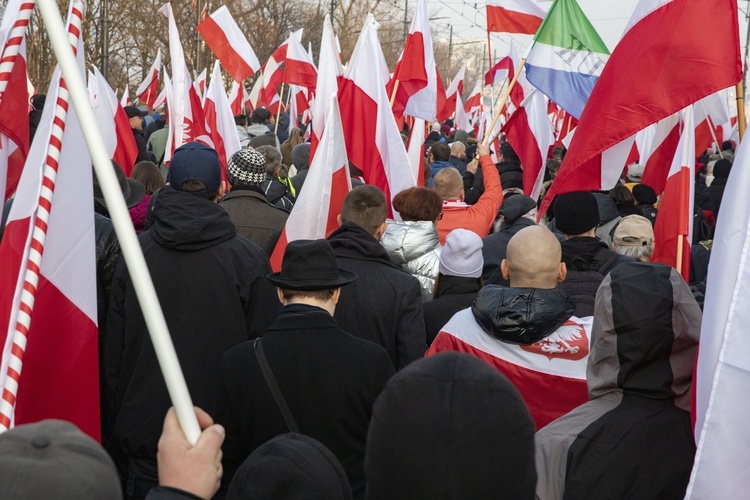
(213, 290)
(384, 304)
(453, 294)
(494, 250)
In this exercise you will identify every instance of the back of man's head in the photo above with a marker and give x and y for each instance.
(533, 259)
(440, 151)
(366, 207)
(449, 184)
(457, 148)
(273, 159)
(195, 169)
(54, 459)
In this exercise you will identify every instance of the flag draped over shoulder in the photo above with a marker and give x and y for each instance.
(567, 57)
(514, 16)
(723, 370)
(49, 336)
(229, 44)
(665, 61)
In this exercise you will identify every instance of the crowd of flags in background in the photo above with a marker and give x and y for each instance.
(660, 98)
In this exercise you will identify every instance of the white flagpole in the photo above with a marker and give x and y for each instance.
(144, 287)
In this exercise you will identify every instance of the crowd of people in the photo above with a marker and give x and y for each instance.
(397, 358)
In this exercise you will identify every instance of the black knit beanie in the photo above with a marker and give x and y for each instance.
(576, 213)
(644, 194)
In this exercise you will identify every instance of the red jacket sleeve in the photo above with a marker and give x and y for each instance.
(484, 211)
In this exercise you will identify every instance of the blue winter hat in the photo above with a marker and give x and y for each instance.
(195, 162)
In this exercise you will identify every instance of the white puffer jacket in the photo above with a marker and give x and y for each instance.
(414, 245)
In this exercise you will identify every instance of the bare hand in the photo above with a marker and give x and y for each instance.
(483, 149)
(195, 469)
(473, 166)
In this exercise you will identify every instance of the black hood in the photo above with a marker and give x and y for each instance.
(450, 427)
(521, 315)
(351, 241)
(645, 334)
(189, 223)
(274, 190)
(290, 466)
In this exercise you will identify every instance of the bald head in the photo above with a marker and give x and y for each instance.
(533, 259)
(449, 184)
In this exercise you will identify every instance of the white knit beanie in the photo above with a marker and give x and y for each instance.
(462, 254)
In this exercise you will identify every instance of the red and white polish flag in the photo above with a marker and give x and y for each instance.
(299, 68)
(666, 39)
(456, 88)
(125, 97)
(416, 72)
(315, 213)
(415, 149)
(48, 308)
(220, 120)
(657, 157)
(238, 96)
(530, 133)
(329, 73)
(14, 121)
(229, 44)
(148, 90)
(556, 364)
(113, 123)
(711, 113)
(199, 84)
(675, 220)
(373, 141)
(514, 16)
(462, 118)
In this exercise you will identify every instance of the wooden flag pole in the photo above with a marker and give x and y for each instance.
(740, 91)
(680, 243)
(504, 100)
(393, 94)
(278, 110)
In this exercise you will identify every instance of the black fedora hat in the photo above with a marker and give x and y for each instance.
(310, 265)
(132, 190)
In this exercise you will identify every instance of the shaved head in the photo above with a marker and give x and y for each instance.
(449, 184)
(534, 259)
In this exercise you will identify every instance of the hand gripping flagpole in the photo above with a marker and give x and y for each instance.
(131, 250)
(32, 263)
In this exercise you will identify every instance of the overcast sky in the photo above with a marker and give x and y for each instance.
(609, 17)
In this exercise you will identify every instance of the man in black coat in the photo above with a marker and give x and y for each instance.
(327, 378)
(212, 288)
(385, 306)
(135, 115)
(517, 212)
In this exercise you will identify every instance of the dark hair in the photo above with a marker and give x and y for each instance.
(322, 295)
(418, 203)
(148, 174)
(240, 120)
(193, 186)
(622, 196)
(441, 151)
(365, 206)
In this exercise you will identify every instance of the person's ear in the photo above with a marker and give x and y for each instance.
(562, 273)
(463, 195)
(338, 219)
(336, 295)
(504, 270)
(380, 231)
(280, 296)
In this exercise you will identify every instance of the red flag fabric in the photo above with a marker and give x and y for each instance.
(415, 71)
(318, 205)
(299, 68)
(657, 163)
(558, 361)
(667, 40)
(329, 73)
(455, 89)
(514, 16)
(229, 44)
(148, 90)
(373, 142)
(220, 120)
(674, 225)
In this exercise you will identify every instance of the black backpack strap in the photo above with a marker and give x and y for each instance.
(603, 261)
(274, 387)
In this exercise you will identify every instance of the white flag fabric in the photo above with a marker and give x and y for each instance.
(723, 376)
